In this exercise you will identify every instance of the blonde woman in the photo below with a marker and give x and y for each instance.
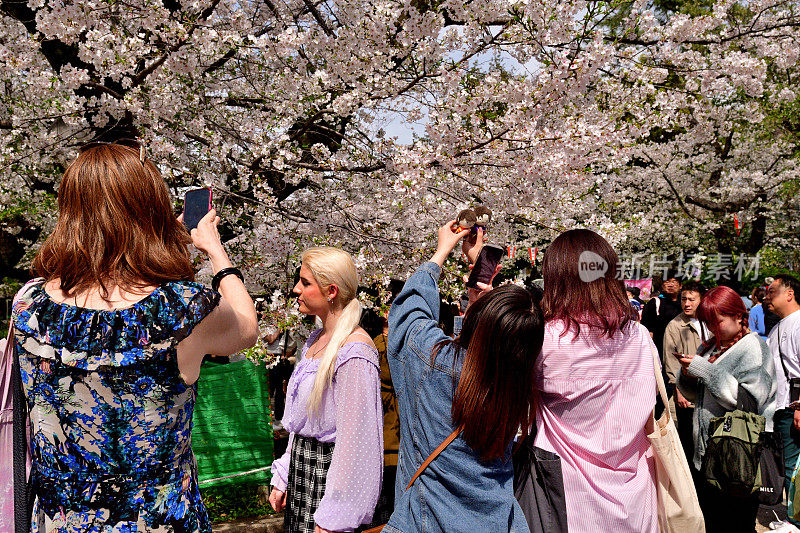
(330, 476)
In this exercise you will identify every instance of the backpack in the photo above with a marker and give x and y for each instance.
(741, 458)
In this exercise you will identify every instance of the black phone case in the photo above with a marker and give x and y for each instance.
(196, 204)
(484, 266)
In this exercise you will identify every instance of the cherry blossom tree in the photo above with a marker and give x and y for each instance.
(554, 114)
(716, 165)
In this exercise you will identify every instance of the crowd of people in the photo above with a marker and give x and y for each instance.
(415, 425)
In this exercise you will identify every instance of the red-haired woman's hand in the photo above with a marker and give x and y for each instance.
(685, 360)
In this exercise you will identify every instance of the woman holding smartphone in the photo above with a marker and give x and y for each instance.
(110, 340)
(329, 478)
(480, 383)
(733, 356)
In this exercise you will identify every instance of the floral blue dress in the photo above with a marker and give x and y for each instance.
(111, 418)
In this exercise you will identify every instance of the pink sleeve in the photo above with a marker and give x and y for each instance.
(353, 482)
(280, 467)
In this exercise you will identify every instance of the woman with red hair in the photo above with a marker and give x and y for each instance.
(733, 356)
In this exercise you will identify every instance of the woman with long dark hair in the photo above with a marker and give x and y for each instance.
(733, 357)
(595, 384)
(110, 340)
(480, 382)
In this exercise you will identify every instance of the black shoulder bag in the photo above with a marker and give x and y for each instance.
(23, 489)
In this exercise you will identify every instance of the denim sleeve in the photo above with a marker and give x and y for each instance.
(414, 316)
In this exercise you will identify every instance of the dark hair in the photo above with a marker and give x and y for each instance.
(790, 282)
(721, 301)
(115, 225)
(501, 335)
(635, 291)
(602, 303)
(759, 293)
(371, 322)
(693, 286)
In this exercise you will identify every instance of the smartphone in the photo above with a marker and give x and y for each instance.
(484, 267)
(196, 203)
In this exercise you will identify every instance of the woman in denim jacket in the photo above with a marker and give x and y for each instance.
(481, 381)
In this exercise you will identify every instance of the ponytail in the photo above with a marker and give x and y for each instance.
(332, 266)
(348, 321)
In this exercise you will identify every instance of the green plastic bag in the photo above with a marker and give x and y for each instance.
(793, 497)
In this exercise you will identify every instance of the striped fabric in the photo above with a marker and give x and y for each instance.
(595, 396)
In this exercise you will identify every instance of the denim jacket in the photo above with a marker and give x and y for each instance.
(457, 492)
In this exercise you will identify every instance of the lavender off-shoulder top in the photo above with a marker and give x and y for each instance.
(350, 415)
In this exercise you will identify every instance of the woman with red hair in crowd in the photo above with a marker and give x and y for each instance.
(733, 356)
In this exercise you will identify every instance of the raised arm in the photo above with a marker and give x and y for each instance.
(233, 325)
(415, 311)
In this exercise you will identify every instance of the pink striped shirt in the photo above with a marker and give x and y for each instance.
(594, 397)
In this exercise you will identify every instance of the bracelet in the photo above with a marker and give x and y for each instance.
(225, 272)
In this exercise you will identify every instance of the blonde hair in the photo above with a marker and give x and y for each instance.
(332, 266)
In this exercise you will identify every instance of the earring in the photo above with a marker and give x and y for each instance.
(330, 300)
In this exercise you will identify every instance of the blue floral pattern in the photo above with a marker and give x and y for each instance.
(111, 418)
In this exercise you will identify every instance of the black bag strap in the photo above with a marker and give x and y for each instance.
(780, 356)
(23, 487)
(23, 497)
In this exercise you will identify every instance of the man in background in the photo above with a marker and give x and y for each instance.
(683, 335)
(659, 311)
(784, 343)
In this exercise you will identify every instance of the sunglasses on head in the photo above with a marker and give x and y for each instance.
(130, 143)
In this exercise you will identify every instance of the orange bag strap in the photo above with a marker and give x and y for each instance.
(450, 438)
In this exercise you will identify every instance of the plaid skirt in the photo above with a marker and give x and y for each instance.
(308, 467)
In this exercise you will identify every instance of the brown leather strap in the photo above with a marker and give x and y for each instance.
(450, 438)
(433, 455)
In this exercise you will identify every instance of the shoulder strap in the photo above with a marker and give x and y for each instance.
(22, 488)
(450, 438)
(780, 355)
(662, 389)
(362, 334)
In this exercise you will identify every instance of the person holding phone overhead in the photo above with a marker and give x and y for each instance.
(733, 357)
(330, 476)
(475, 389)
(110, 340)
